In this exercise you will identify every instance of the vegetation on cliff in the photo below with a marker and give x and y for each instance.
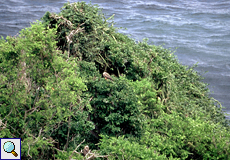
(53, 95)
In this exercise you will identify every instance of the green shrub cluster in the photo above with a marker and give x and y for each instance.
(53, 95)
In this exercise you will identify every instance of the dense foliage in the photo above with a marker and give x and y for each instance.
(53, 95)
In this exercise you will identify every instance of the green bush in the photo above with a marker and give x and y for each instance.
(115, 110)
(121, 148)
(40, 100)
(53, 96)
(186, 138)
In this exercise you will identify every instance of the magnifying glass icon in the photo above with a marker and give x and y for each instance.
(9, 147)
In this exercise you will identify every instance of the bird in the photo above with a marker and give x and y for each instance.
(85, 150)
(107, 76)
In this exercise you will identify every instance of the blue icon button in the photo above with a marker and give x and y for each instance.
(10, 148)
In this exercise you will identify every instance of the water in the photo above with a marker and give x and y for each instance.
(198, 30)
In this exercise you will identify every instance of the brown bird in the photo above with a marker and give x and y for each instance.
(107, 76)
(85, 150)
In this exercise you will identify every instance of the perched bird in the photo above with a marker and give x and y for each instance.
(85, 150)
(107, 76)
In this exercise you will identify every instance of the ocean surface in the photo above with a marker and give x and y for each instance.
(198, 30)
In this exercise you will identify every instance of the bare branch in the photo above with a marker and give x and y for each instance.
(38, 136)
(76, 149)
(59, 149)
(73, 32)
(8, 114)
(66, 22)
(29, 151)
(4, 124)
(81, 108)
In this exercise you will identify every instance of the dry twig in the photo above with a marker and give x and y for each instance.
(76, 149)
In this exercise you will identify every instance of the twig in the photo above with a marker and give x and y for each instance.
(122, 154)
(34, 142)
(67, 143)
(67, 22)
(59, 149)
(81, 108)
(29, 151)
(73, 32)
(34, 108)
(8, 114)
(38, 136)
(76, 148)
(90, 157)
(4, 124)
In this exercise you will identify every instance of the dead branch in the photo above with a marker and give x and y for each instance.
(90, 156)
(2, 124)
(66, 22)
(38, 136)
(76, 149)
(29, 151)
(73, 32)
(8, 114)
(34, 142)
